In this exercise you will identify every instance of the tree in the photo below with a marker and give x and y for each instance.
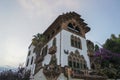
(108, 57)
(38, 41)
(96, 47)
(19, 74)
(113, 44)
(38, 38)
(109, 63)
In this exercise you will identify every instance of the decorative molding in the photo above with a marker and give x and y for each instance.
(66, 51)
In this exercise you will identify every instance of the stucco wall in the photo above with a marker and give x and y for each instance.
(31, 67)
(66, 45)
(47, 58)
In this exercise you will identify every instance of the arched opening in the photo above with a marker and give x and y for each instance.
(70, 26)
(72, 40)
(79, 45)
(77, 29)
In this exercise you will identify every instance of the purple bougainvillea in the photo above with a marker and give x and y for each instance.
(104, 56)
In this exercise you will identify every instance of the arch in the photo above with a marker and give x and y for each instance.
(79, 44)
(70, 25)
(72, 40)
(71, 53)
(77, 29)
(75, 41)
(77, 52)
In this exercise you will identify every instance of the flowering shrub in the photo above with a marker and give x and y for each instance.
(109, 62)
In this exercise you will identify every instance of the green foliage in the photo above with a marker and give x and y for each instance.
(109, 57)
(113, 44)
(96, 47)
(38, 41)
(38, 38)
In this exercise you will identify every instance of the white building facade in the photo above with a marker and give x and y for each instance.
(30, 61)
(64, 56)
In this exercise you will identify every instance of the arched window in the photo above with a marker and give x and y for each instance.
(79, 45)
(78, 65)
(70, 26)
(85, 66)
(70, 60)
(77, 29)
(76, 42)
(72, 40)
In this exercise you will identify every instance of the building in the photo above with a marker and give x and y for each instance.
(63, 53)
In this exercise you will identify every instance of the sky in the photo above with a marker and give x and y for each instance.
(21, 19)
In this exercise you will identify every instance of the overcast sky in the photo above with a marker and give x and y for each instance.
(21, 19)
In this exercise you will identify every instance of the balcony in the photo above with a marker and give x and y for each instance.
(52, 71)
(39, 59)
(77, 74)
(52, 50)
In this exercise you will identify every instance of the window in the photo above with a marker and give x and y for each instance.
(29, 53)
(79, 43)
(76, 61)
(74, 27)
(70, 63)
(77, 29)
(27, 62)
(54, 42)
(44, 51)
(32, 60)
(76, 42)
(72, 40)
(70, 26)
(78, 65)
(81, 65)
(74, 64)
(84, 66)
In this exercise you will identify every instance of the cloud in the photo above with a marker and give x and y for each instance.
(44, 12)
(48, 7)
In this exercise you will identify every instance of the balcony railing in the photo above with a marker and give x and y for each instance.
(52, 50)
